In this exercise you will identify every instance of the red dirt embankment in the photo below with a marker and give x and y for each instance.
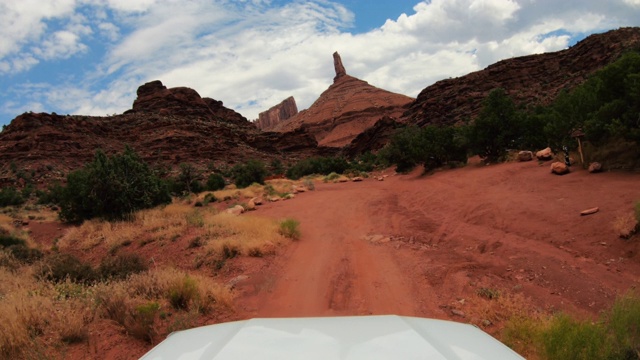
(421, 245)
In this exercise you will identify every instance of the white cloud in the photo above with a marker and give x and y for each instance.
(251, 54)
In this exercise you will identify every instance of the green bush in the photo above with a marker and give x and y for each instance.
(60, 267)
(317, 165)
(289, 228)
(53, 194)
(25, 254)
(209, 198)
(253, 171)
(140, 324)
(7, 240)
(9, 196)
(215, 182)
(431, 146)
(121, 266)
(111, 188)
(183, 292)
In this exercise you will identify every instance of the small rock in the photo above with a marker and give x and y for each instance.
(274, 198)
(525, 156)
(25, 222)
(236, 210)
(486, 323)
(257, 200)
(544, 154)
(559, 168)
(595, 167)
(251, 205)
(343, 179)
(233, 282)
(589, 211)
(457, 312)
(380, 178)
(289, 196)
(357, 179)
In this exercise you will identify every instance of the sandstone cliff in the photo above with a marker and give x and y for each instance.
(165, 126)
(281, 112)
(529, 80)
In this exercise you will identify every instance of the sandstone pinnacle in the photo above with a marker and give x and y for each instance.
(337, 63)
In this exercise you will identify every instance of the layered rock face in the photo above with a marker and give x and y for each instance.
(347, 108)
(165, 126)
(530, 80)
(281, 112)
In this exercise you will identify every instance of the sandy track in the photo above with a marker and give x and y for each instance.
(512, 227)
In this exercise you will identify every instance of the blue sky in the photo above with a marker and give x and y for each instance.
(90, 56)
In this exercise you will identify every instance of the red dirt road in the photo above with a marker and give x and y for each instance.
(424, 245)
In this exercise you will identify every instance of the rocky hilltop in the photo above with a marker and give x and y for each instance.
(165, 126)
(281, 112)
(529, 80)
(347, 108)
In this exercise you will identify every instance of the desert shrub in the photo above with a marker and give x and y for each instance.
(276, 167)
(187, 181)
(623, 323)
(60, 267)
(7, 240)
(289, 228)
(317, 165)
(140, 324)
(636, 211)
(195, 218)
(431, 146)
(209, 198)
(309, 184)
(111, 188)
(121, 266)
(183, 292)
(330, 177)
(488, 293)
(53, 194)
(9, 196)
(567, 338)
(25, 254)
(215, 182)
(253, 171)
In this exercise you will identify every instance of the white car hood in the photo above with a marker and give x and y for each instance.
(351, 337)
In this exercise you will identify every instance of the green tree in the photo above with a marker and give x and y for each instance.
(215, 182)
(111, 188)
(253, 171)
(496, 128)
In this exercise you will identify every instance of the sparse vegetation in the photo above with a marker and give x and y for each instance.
(318, 166)
(9, 196)
(615, 336)
(289, 228)
(112, 188)
(253, 171)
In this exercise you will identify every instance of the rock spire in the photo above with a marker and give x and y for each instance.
(337, 63)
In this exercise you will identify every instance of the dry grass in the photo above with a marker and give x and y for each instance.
(247, 235)
(625, 225)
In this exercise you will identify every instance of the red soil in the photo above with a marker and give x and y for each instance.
(424, 245)
(512, 227)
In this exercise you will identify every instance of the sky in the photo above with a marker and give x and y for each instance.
(88, 57)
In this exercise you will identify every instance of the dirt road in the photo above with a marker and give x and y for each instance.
(425, 245)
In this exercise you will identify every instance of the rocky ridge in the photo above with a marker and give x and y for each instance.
(278, 113)
(165, 126)
(347, 108)
(530, 80)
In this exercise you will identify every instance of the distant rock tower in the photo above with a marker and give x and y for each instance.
(337, 63)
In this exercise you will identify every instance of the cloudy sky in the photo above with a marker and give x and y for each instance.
(89, 56)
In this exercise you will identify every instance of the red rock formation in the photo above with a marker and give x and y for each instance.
(165, 126)
(347, 108)
(337, 64)
(530, 80)
(281, 112)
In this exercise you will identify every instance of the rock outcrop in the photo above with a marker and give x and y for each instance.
(346, 109)
(281, 112)
(530, 80)
(165, 126)
(339, 67)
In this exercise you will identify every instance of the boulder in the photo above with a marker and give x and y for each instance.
(525, 156)
(274, 198)
(595, 167)
(257, 200)
(559, 168)
(236, 210)
(251, 205)
(544, 154)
